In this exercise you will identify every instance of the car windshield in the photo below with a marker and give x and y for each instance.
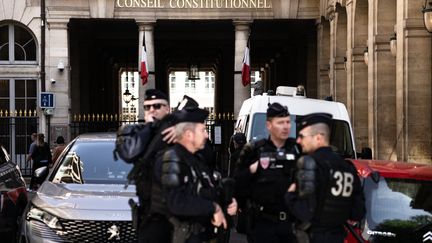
(398, 204)
(340, 139)
(91, 162)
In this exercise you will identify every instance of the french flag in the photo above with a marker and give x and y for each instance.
(144, 69)
(246, 71)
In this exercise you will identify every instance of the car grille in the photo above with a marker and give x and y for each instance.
(98, 231)
(41, 230)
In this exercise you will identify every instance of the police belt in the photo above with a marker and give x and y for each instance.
(280, 216)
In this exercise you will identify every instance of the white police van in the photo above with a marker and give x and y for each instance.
(252, 118)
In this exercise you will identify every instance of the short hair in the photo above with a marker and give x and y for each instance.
(321, 128)
(60, 140)
(182, 127)
(40, 141)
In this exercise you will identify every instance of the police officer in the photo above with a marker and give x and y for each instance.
(327, 192)
(189, 186)
(154, 226)
(238, 140)
(263, 174)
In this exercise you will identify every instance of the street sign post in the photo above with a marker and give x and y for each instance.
(47, 100)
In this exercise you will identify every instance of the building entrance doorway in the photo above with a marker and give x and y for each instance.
(200, 86)
(196, 58)
(102, 51)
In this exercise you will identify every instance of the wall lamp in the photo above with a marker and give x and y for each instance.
(60, 66)
(366, 55)
(345, 63)
(427, 15)
(393, 42)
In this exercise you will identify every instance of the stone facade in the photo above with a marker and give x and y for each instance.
(388, 99)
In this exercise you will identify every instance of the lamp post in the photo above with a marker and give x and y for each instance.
(127, 97)
(427, 15)
(193, 73)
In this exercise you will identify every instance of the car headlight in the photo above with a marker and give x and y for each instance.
(50, 220)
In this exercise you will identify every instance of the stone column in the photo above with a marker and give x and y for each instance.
(413, 83)
(323, 89)
(146, 31)
(382, 80)
(339, 58)
(57, 52)
(241, 93)
(358, 70)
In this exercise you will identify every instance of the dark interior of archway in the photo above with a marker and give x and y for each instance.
(98, 49)
(210, 44)
(280, 47)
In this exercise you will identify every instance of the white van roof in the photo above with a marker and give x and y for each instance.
(296, 106)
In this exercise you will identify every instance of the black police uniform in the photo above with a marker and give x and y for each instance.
(263, 192)
(189, 187)
(153, 212)
(334, 196)
(189, 190)
(154, 226)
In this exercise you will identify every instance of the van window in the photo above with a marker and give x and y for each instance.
(259, 130)
(241, 124)
(340, 139)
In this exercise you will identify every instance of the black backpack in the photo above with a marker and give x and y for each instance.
(132, 141)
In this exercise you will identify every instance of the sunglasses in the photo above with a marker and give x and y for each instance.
(156, 106)
(301, 136)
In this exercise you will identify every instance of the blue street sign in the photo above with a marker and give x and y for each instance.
(47, 100)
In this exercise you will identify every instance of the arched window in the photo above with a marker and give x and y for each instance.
(17, 45)
(18, 90)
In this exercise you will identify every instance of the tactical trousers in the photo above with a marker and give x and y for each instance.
(269, 231)
(335, 235)
(155, 231)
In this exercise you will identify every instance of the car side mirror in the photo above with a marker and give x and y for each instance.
(366, 153)
(41, 174)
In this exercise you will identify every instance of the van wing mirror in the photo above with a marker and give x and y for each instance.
(366, 153)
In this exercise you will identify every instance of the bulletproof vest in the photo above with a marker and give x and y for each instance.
(143, 179)
(204, 180)
(158, 202)
(198, 179)
(275, 173)
(335, 197)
